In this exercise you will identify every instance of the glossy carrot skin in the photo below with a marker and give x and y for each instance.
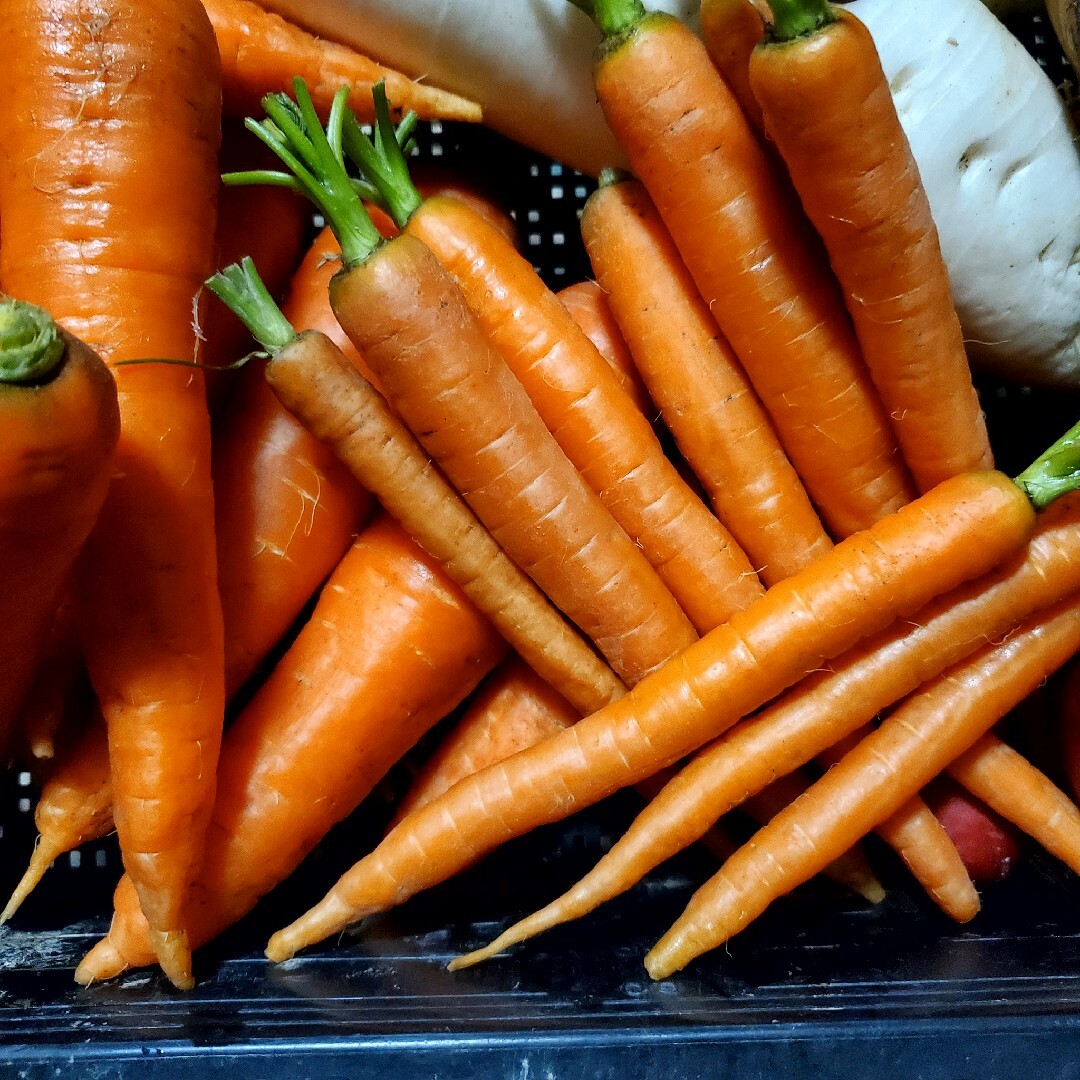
(391, 647)
(57, 444)
(597, 425)
(755, 264)
(113, 190)
(287, 510)
(453, 389)
(703, 393)
(261, 53)
(915, 743)
(829, 111)
(730, 30)
(958, 531)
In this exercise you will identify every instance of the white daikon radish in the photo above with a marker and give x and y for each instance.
(1000, 165)
(528, 62)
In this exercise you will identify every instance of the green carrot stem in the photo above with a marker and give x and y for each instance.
(613, 17)
(610, 175)
(797, 18)
(1054, 473)
(31, 346)
(241, 289)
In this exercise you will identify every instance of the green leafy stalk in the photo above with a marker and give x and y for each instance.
(796, 18)
(240, 288)
(613, 17)
(381, 159)
(1054, 473)
(31, 346)
(313, 156)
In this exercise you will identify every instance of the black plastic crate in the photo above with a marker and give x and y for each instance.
(823, 985)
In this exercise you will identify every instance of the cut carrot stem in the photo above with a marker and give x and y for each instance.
(913, 744)
(756, 263)
(703, 394)
(829, 112)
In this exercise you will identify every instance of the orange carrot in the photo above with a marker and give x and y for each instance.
(588, 306)
(107, 210)
(286, 508)
(319, 385)
(450, 385)
(753, 258)
(912, 745)
(59, 424)
(74, 807)
(579, 399)
(1070, 729)
(823, 708)
(262, 52)
(391, 647)
(829, 111)
(730, 30)
(956, 532)
(703, 394)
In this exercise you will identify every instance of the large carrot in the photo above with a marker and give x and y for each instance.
(753, 258)
(107, 209)
(391, 647)
(912, 745)
(319, 385)
(954, 533)
(286, 508)
(578, 396)
(823, 708)
(59, 423)
(829, 111)
(693, 376)
(730, 30)
(453, 389)
(261, 53)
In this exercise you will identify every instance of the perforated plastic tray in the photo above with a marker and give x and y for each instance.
(823, 985)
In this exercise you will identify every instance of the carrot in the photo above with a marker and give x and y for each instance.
(956, 532)
(912, 745)
(823, 708)
(576, 394)
(829, 111)
(74, 807)
(317, 383)
(287, 510)
(261, 53)
(588, 306)
(921, 841)
(1011, 786)
(59, 419)
(107, 208)
(703, 394)
(730, 30)
(391, 647)
(514, 708)
(753, 259)
(452, 388)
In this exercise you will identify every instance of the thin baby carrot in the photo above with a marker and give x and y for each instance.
(453, 389)
(703, 394)
(575, 392)
(913, 744)
(261, 53)
(108, 192)
(588, 306)
(58, 431)
(392, 646)
(823, 708)
(829, 111)
(753, 257)
(958, 531)
(319, 385)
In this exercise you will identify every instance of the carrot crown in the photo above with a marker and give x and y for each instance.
(1055, 473)
(240, 288)
(31, 346)
(796, 18)
(613, 17)
(293, 131)
(381, 159)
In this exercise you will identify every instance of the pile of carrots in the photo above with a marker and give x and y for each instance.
(436, 487)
